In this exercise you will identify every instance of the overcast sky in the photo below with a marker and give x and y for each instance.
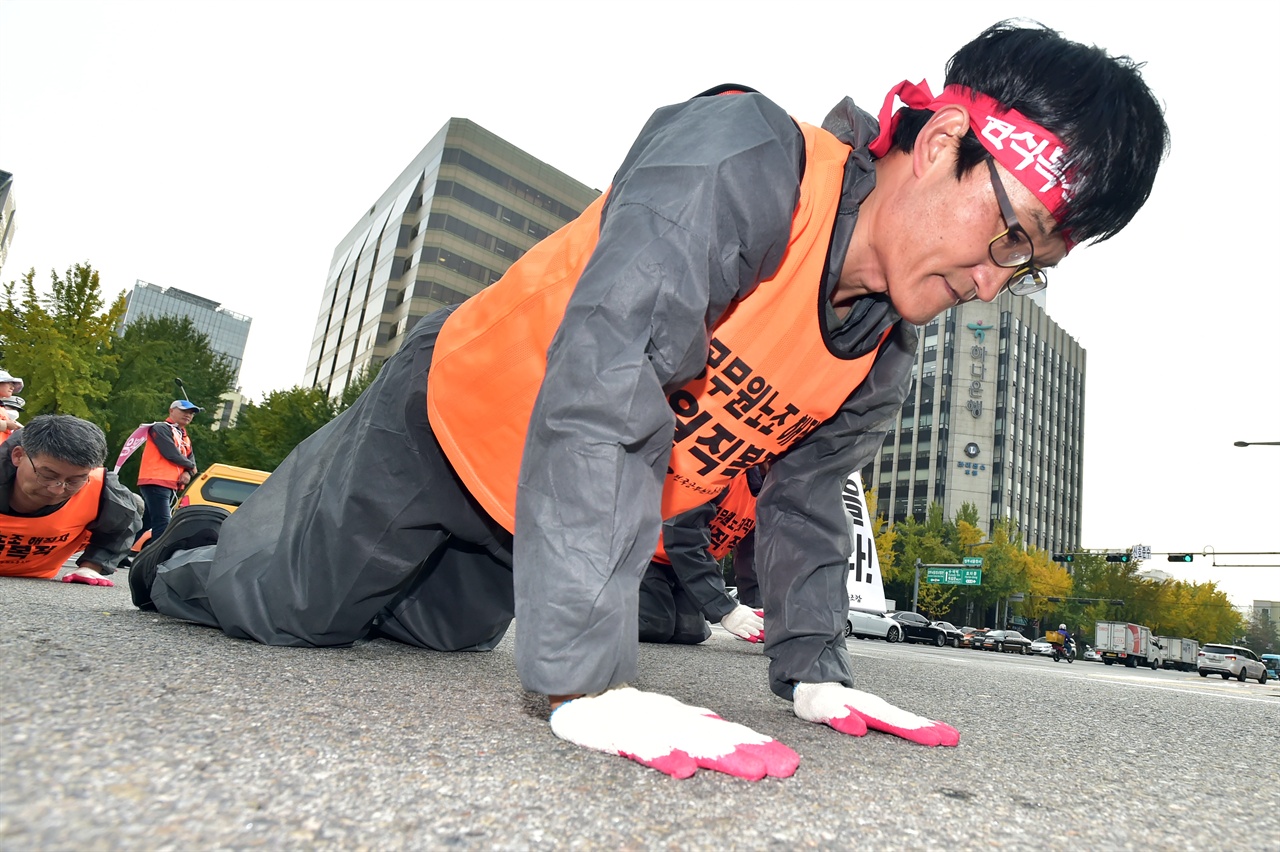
(224, 148)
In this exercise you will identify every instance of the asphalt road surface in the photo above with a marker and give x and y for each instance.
(127, 730)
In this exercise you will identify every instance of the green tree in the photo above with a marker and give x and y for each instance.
(151, 353)
(1261, 635)
(268, 431)
(61, 343)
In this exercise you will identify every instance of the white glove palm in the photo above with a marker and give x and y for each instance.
(853, 712)
(745, 623)
(664, 734)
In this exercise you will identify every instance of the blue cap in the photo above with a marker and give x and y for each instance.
(185, 405)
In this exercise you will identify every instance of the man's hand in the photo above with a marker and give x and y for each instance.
(664, 734)
(184, 479)
(87, 574)
(853, 712)
(745, 623)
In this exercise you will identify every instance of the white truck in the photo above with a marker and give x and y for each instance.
(1122, 642)
(1175, 653)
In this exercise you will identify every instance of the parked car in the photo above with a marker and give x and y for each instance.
(873, 625)
(1006, 640)
(953, 633)
(972, 637)
(917, 628)
(1272, 662)
(1043, 647)
(1231, 661)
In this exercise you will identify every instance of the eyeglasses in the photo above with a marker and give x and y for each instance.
(1012, 249)
(51, 480)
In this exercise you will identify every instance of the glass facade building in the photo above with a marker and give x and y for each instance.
(467, 207)
(8, 208)
(228, 332)
(995, 417)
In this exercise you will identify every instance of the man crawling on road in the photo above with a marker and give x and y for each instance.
(746, 291)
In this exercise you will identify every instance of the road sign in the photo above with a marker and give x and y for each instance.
(1017, 597)
(975, 561)
(954, 576)
(1141, 551)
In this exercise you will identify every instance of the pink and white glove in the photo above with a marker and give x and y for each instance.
(88, 576)
(853, 712)
(745, 623)
(664, 734)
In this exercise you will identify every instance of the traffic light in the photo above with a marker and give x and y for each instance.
(1118, 557)
(1180, 557)
(1064, 557)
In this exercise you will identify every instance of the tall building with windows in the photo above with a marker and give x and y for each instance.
(228, 332)
(467, 207)
(8, 207)
(995, 417)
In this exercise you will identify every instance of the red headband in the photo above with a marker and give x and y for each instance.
(1030, 152)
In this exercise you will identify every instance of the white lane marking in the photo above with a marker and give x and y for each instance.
(1198, 689)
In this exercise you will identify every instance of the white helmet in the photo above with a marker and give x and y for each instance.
(1062, 627)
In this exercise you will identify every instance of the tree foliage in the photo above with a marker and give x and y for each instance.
(60, 343)
(1051, 594)
(151, 353)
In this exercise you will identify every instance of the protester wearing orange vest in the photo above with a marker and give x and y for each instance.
(747, 290)
(683, 587)
(57, 500)
(168, 463)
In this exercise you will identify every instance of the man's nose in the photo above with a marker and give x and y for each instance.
(990, 280)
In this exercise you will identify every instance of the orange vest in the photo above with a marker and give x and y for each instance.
(735, 517)
(158, 470)
(37, 547)
(770, 378)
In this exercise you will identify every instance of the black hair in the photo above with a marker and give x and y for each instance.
(1098, 105)
(65, 438)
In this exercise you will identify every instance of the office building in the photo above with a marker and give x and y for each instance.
(466, 207)
(995, 418)
(228, 332)
(8, 207)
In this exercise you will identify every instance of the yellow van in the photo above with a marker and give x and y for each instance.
(222, 485)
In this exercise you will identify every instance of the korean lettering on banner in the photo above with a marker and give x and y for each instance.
(745, 396)
(1034, 152)
(728, 528)
(15, 547)
(971, 468)
(977, 367)
(866, 586)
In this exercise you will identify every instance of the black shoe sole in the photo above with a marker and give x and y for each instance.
(190, 527)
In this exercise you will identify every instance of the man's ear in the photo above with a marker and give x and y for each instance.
(939, 139)
(16, 455)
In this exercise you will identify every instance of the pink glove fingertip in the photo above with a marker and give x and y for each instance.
(677, 763)
(934, 734)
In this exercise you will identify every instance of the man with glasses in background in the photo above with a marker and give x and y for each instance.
(747, 290)
(56, 499)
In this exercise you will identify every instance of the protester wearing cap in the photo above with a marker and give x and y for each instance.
(56, 500)
(9, 385)
(747, 290)
(168, 463)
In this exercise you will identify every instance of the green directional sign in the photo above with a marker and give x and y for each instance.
(954, 576)
(975, 561)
